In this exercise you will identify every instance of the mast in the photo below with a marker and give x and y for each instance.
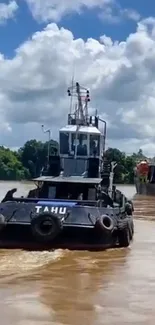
(80, 114)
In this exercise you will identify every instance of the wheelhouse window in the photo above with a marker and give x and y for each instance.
(51, 192)
(81, 141)
(64, 143)
(94, 145)
(71, 191)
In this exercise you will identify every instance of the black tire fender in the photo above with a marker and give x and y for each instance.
(132, 206)
(129, 209)
(131, 227)
(105, 223)
(122, 224)
(124, 234)
(46, 227)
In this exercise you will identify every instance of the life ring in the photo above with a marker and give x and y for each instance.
(45, 227)
(105, 223)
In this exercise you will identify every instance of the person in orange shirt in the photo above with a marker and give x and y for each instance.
(143, 170)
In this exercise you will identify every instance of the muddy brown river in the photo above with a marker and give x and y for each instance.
(82, 288)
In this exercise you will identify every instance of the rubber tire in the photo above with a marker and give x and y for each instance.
(130, 226)
(132, 206)
(56, 227)
(128, 209)
(132, 229)
(101, 226)
(124, 237)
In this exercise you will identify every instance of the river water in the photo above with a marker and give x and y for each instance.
(82, 288)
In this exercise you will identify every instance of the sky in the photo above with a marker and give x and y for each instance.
(110, 46)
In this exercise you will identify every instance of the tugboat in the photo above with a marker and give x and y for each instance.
(75, 204)
(145, 177)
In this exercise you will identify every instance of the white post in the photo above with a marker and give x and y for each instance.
(111, 178)
(76, 139)
(49, 139)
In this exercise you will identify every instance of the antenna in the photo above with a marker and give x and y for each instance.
(49, 139)
(71, 102)
(81, 108)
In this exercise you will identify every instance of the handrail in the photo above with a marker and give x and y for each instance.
(22, 199)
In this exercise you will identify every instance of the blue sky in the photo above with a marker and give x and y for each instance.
(86, 24)
(120, 75)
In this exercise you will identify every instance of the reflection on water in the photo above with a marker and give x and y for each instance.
(73, 288)
(144, 207)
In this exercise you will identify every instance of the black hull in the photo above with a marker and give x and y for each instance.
(86, 227)
(32, 246)
(20, 237)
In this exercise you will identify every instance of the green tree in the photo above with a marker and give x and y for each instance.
(10, 167)
(33, 155)
(124, 172)
(129, 165)
(138, 156)
(119, 157)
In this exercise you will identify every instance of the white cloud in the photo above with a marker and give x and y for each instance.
(115, 14)
(7, 11)
(131, 14)
(53, 10)
(121, 78)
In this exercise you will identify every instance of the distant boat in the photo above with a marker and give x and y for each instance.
(144, 179)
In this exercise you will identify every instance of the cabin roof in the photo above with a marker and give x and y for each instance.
(71, 179)
(82, 129)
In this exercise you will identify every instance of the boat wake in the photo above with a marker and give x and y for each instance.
(20, 264)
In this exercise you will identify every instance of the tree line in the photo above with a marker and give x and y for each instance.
(29, 160)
